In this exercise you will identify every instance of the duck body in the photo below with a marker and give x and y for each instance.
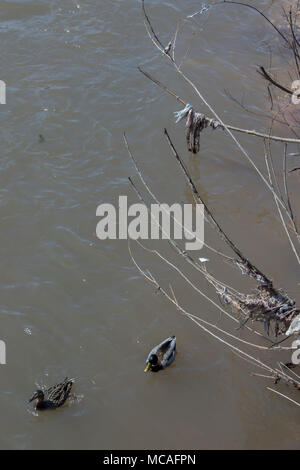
(54, 396)
(161, 355)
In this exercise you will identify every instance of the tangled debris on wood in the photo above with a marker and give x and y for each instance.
(195, 123)
(267, 305)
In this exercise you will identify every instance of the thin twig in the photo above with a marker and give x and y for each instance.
(268, 77)
(286, 188)
(284, 396)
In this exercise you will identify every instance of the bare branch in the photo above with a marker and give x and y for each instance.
(232, 128)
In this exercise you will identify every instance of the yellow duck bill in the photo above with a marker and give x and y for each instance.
(147, 367)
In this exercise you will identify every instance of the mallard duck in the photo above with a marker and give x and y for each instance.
(161, 355)
(54, 396)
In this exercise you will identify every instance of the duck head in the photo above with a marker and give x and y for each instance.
(152, 361)
(38, 395)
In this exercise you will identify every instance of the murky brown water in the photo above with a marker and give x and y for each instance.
(74, 305)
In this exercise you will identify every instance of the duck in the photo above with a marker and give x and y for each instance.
(161, 355)
(54, 396)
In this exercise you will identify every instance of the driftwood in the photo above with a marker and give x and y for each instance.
(267, 305)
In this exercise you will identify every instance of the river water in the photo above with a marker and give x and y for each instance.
(73, 305)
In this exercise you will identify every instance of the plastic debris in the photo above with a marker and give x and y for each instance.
(179, 115)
